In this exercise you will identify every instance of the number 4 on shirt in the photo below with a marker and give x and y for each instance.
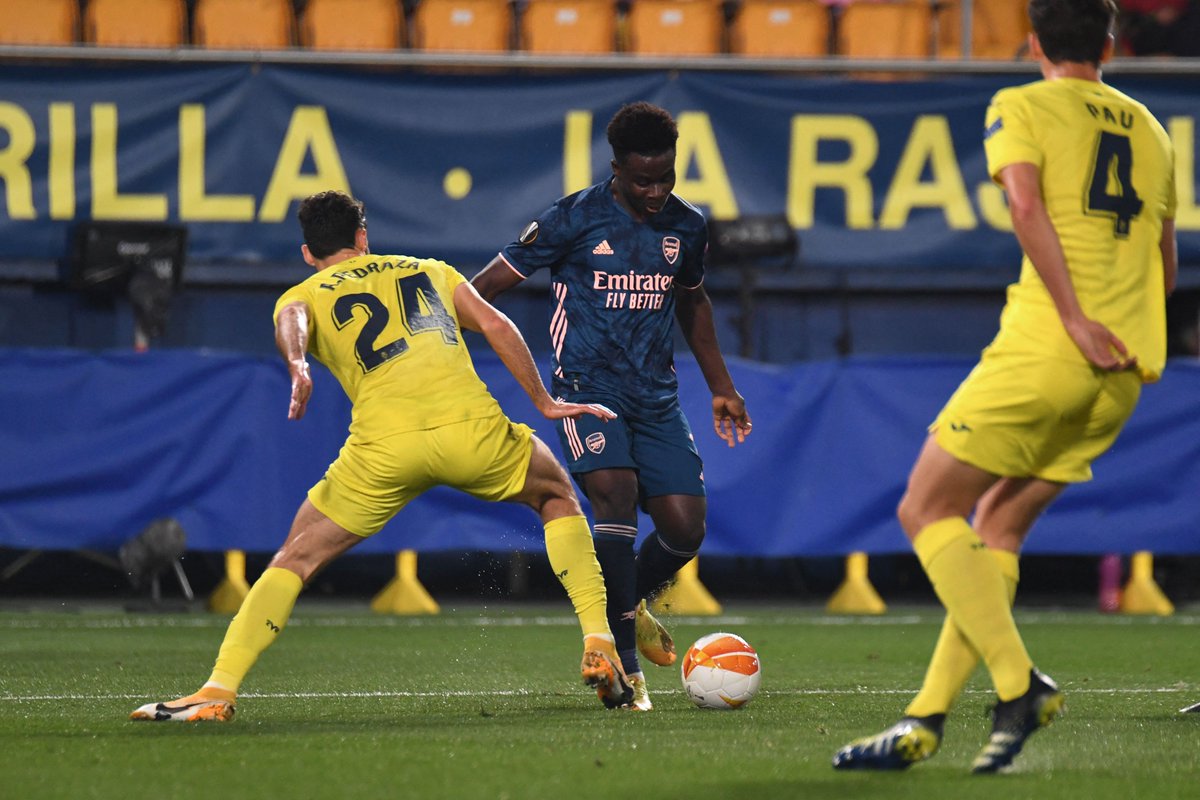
(1114, 165)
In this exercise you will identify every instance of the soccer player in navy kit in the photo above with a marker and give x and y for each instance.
(626, 257)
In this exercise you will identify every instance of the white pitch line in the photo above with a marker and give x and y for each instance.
(1023, 618)
(415, 622)
(526, 693)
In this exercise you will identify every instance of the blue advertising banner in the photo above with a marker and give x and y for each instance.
(886, 175)
(98, 446)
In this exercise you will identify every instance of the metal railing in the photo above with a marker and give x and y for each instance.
(518, 61)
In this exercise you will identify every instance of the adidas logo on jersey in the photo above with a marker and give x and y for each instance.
(602, 249)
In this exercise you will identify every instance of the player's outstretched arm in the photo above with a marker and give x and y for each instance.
(291, 337)
(497, 277)
(1039, 240)
(693, 309)
(476, 314)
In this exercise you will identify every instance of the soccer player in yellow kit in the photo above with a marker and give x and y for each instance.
(1089, 176)
(390, 330)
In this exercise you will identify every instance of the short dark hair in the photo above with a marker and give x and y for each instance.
(1073, 30)
(641, 128)
(329, 220)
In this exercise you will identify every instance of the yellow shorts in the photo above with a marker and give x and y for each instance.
(370, 481)
(1022, 415)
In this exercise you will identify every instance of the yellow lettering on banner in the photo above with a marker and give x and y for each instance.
(994, 207)
(18, 187)
(577, 151)
(107, 201)
(194, 204)
(712, 188)
(62, 161)
(806, 173)
(308, 130)
(1183, 137)
(929, 143)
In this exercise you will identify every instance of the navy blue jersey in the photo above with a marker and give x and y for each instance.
(613, 298)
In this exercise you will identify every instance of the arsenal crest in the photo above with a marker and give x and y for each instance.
(670, 248)
(595, 442)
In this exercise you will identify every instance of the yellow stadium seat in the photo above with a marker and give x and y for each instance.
(135, 23)
(576, 27)
(900, 29)
(352, 25)
(243, 24)
(781, 29)
(999, 29)
(39, 22)
(482, 26)
(675, 27)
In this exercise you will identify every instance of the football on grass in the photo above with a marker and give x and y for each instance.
(722, 671)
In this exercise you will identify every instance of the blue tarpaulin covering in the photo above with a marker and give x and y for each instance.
(94, 447)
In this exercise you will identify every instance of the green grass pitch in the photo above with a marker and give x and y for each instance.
(485, 703)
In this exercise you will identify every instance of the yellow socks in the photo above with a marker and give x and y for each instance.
(262, 616)
(970, 585)
(573, 559)
(1010, 570)
(953, 658)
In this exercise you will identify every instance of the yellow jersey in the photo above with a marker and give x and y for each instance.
(387, 328)
(1107, 177)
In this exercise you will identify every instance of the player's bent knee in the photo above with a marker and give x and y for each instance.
(547, 488)
(1009, 540)
(314, 541)
(911, 515)
(686, 539)
(307, 556)
(550, 502)
(679, 520)
(304, 568)
(558, 492)
(613, 493)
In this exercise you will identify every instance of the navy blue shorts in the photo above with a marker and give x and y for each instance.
(657, 444)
